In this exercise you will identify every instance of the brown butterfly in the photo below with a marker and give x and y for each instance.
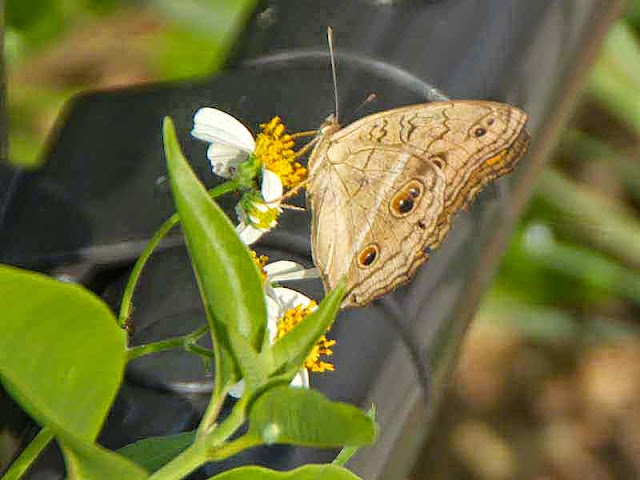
(384, 189)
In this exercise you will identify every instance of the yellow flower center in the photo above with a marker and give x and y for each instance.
(259, 214)
(274, 149)
(260, 262)
(263, 219)
(313, 362)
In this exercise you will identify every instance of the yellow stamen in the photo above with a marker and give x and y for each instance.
(260, 262)
(313, 362)
(308, 133)
(274, 149)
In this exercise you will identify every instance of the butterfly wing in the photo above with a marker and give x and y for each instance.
(384, 189)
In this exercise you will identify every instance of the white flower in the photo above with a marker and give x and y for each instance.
(259, 216)
(286, 270)
(286, 299)
(231, 144)
(278, 302)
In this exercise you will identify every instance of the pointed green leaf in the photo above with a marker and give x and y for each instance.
(305, 417)
(292, 349)
(252, 367)
(155, 452)
(89, 461)
(62, 354)
(229, 281)
(226, 370)
(308, 472)
(349, 451)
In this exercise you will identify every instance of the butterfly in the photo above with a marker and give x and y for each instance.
(384, 189)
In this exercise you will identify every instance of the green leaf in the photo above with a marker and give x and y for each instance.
(199, 37)
(349, 451)
(62, 354)
(253, 367)
(308, 472)
(305, 417)
(88, 461)
(155, 452)
(229, 281)
(292, 349)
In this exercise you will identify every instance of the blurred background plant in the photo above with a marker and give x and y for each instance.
(548, 383)
(55, 48)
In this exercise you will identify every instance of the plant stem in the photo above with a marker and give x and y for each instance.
(215, 438)
(198, 350)
(184, 341)
(27, 457)
(172, 221)
(345, 454)
(206, 446)
(213, 409)
(125, 305)
(234, 447)
(183, 464)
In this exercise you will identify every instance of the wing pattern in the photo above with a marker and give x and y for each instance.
(384, 189)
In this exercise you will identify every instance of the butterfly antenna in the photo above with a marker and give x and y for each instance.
(370, 98)
(333, 68)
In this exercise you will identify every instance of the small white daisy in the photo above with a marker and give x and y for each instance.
(231, 145)
(281, 300)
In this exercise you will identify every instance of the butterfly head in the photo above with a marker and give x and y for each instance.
(329, 126)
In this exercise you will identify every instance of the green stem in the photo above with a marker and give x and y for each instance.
(233, 448)
(184, 341)
(26, 458)
(344, 456)
(206, 446)
(216, 437)
(172, 221)
(198, 350)
(125, 305)
(213, 409)
(183, 464)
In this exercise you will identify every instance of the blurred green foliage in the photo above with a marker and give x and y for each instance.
(575, 256)
(47, 43)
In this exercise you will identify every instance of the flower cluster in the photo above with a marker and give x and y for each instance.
(264, 168)
(269, 161)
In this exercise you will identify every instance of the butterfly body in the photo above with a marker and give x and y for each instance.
(383, 190)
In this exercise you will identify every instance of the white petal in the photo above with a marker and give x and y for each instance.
(282, 266)
(241, 214)
(285, 270)
(248, 234)
(291, 298)
(274, 307)
(225, 159)
(271, 187)
(215, 126)
(237, 390)
(274, 313)
(301, 379)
